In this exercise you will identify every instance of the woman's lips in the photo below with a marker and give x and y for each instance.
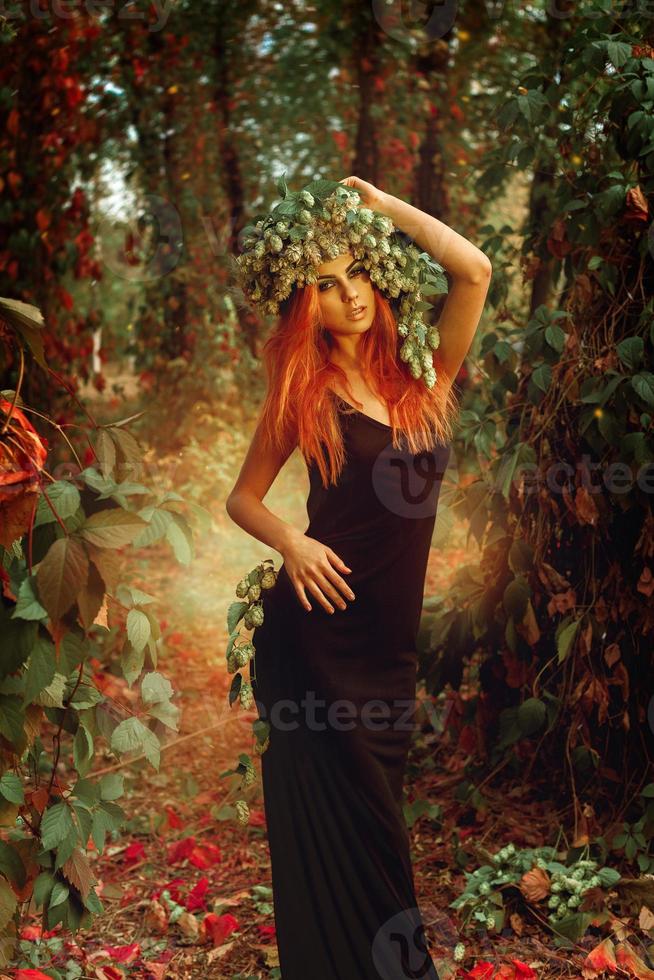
(356, 316)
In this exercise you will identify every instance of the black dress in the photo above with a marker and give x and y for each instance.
(339, 693)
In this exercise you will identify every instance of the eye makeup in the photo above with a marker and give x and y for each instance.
(357, 270)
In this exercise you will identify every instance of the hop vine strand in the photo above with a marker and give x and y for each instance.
(284, 248)
(250, 591)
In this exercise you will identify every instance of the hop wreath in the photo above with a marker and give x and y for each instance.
(248, 609)
(284, 248)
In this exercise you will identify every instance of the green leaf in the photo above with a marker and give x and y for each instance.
(522, 456)
(531, 715)
(156, 687)
(643, 385)
(521, 556)
(12, 718)
(516, 598)
(542, 377)
(61, 575)
(235, 612)
(59, 894)
(11, 864)
(111, 785)
(138, 629)
(28, 605)
(65, 499)
(631, 351)
(12, 788)
(565, 635)
(56, 825)
(112, 528)
(167, 713)
(8, 903)
(40, 669)
(131, 662)
(555, 337)
(83, 749)
(180, 542)
(281, 185)
(618, 52)
(52, 696)
(131, 735)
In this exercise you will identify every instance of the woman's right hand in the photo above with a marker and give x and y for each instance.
(314, 566)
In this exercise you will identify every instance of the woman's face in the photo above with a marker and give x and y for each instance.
(343, 286)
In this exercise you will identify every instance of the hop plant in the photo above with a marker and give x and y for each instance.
(242, 811)
(246, 696)
(268, 579)
(241, 656)
(254, 592)
(249, 776)
(242, 588)
(268, 269)
(253, 617)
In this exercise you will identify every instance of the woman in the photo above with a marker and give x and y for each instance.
(335, 663)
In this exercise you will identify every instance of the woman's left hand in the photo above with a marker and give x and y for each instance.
(371, 196)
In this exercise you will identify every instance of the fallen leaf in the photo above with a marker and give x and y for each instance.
(535, 884)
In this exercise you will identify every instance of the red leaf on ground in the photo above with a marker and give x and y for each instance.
(123, 954)
(31, 975)
(205, 855)
(629, 961)
(218, 927)
(174, 820)
(481, 971)
(196, 898)
(181, 850)
(133, 853)
(601, 958)
(173, 888)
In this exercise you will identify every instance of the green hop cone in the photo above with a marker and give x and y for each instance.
(459, 952)
(268, 579)
(232, 665)
(250, 775)
(242, 657)
(246, 696)
(253, 617)
(242, 811)
(254, 592)
(242, 588)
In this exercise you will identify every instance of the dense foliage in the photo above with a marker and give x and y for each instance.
(553, 627)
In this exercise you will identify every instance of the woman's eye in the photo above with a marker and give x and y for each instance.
(354, 272)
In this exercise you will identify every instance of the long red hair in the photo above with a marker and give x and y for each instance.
(300, 409)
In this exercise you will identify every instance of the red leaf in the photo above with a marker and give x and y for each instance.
(628, 960)
(123, 954)
(481, 971)
(205, 855)
(196, 897)
(181, 850)
(602, 957)
(219, 927)
(133, 853)
(31, 975)
(173, 820)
